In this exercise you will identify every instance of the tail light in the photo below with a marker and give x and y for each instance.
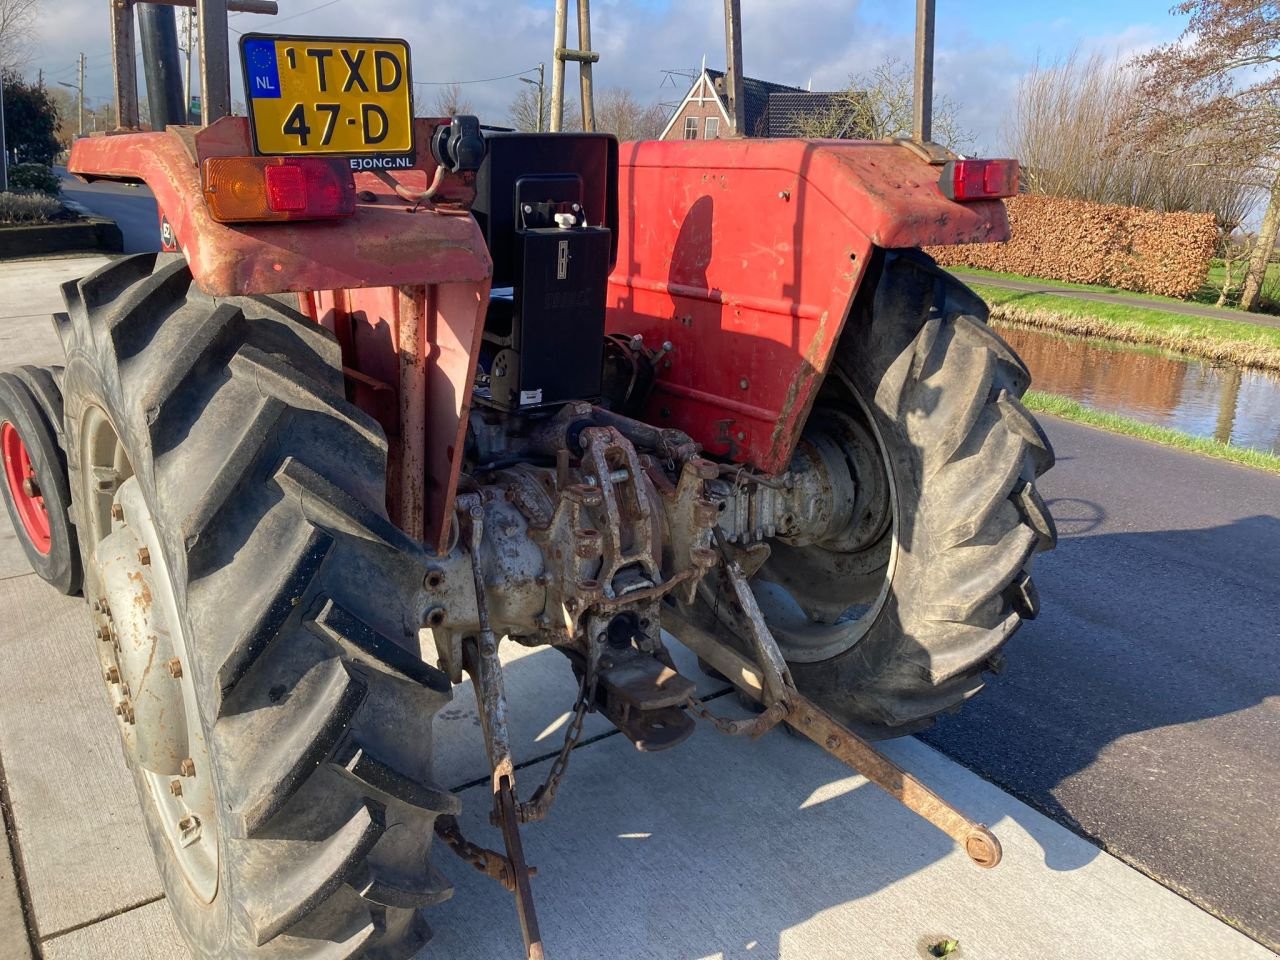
(261, 189)
(979, 179)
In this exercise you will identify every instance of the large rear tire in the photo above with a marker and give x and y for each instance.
(258, 618)
(897, 620)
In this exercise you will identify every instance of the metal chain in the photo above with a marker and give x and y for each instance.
(489, 862)
(539, 804)
(755, 727)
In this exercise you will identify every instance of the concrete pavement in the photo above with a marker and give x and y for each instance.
(718, 849)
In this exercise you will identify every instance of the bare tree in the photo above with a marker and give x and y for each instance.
(620, 113)
(17, 25)
(1072, 129)
(451, 102)
(1220, 84)
(523, 112)
(877, 105)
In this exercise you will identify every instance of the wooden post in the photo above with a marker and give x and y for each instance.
(733, 63)
(584, 67)
(557, 66)
(922, 121)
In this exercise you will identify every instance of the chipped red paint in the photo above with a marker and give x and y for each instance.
(383, 245)
(746, 254)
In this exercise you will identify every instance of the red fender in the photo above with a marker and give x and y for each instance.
(745, 255)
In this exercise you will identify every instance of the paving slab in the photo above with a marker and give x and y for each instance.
(15, 944)
(79, 827)
(744, 851)
(29, 296)
(147, 933)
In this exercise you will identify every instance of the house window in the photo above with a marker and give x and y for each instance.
(691, 128)
(713, 128)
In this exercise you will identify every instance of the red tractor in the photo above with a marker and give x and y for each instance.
(399, 388)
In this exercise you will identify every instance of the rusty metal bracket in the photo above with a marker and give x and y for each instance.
(806, 717)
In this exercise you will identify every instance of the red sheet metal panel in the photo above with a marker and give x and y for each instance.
(383, 245)
(745, 256)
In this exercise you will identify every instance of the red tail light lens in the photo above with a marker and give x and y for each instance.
(979, 179)
(263, 189)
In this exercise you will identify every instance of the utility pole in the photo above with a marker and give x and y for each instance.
(82, 94)
(4, 146)
(922, 119)
(540, 83)
(40, 78)
(733, 58)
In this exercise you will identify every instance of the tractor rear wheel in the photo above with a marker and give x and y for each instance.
(896, 619)
(257, 618)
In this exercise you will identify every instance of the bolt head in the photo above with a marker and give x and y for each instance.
(832, 742)
(175, 787)
(112, 675)
(188, 767)
(434, 579)
(144, 556)
(744, 383)
(104, 633)
(117, 513)
(175, 668)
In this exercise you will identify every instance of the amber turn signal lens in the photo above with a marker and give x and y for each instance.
(264, 189)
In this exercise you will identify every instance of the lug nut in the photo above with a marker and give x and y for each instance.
(30, 487)
(144, 556)
(117, 512)
(188, 767)
(175, 787)
(175, 668)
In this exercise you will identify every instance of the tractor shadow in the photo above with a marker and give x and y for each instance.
(747, 850)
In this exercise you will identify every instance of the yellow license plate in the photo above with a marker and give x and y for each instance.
(328, 95)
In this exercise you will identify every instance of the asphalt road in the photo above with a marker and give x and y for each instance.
(131, 207)
(1120, 299)
(1143, 708)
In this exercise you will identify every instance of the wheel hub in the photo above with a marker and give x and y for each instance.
(142, 651)
(20, 474)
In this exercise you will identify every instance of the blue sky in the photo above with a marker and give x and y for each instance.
(984, 47)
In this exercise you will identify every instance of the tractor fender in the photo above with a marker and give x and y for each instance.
(745, 256)
(380, 246)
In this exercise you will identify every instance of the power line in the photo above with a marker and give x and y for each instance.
(449, 83)
(293, 16)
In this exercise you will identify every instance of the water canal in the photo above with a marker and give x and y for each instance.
(1221, 401)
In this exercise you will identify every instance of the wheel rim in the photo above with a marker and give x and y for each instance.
(143, 651)
(820, 599)
(25, 490)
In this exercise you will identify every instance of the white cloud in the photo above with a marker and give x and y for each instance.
(788, 41)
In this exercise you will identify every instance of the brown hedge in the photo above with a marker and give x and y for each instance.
(1104, 244)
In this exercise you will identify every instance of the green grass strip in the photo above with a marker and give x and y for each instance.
(1069, 409)
(1220, 341)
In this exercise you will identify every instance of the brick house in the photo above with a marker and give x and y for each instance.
(771, 109)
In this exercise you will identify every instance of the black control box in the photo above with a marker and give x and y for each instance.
(548, 206)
